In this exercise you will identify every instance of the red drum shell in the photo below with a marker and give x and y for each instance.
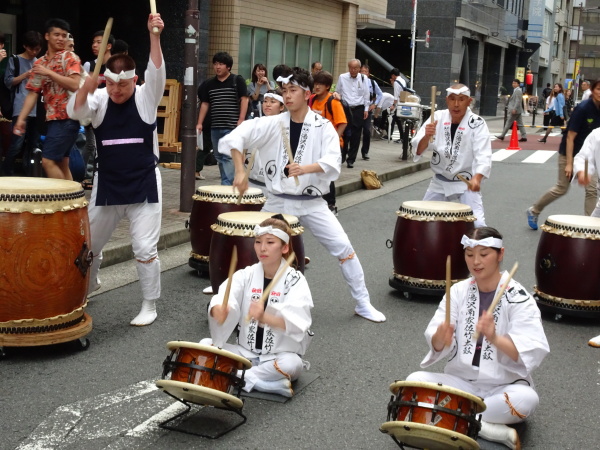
(567, 264)
(222, 243)
(209, 203)
(40, 240)
(421, 247)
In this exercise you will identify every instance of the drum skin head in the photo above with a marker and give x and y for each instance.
(242, 223)
(199, 394)
(434, 206)
(427, 436)
(228, 192)
(395, 387)
(575, 222)
(243, 363)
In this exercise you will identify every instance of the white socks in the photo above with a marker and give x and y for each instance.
(281, 387)
(147, 314)
(595, 342)
(498, 432)
(367, 311)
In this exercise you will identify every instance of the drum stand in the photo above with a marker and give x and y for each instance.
(188, 405)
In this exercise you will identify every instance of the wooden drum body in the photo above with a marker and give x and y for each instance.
(44, 261)
(237, 228)
(433, 416)
(426, 233)
(209, 202)
(567, 266)
(203, 374)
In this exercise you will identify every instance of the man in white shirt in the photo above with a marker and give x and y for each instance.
(353, 87)
(585, 89)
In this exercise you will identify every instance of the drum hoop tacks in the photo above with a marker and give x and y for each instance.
(570, 231)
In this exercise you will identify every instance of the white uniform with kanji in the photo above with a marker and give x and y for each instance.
(280, 351)
(590, 152)
(469, 153)
(505, 385)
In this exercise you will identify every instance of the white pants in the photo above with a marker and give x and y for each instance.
(325, 227)
(144, 227)
(284, 365)
(508, 403)
(470, 198)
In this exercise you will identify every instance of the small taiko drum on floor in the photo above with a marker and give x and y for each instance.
(433, 416)
(237, 228)
(567, 265)
(204, 375)
(209, 202)
(426, 233)
(44, 261)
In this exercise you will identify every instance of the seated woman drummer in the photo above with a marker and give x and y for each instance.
(275, 335)
(497, 366)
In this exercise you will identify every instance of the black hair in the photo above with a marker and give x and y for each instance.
(323, 77)
(2, 39)
(484, 232)
(32, 39)
(280, 70)
(223, 58)
(516, 80)
(256, 67)
(395, 71)
(57, 23)
(595, 84)
(100, 33)
(312, 66)
(119, 62)
(300, 76)
(120, 46)
(365, 66)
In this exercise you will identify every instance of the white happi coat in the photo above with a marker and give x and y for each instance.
(516, 315)
(318, 143)
(290, 299)
(590, 151)
(470, 152)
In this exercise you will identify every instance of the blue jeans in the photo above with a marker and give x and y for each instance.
(226, 167)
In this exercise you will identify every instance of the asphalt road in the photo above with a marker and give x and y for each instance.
(61, 397)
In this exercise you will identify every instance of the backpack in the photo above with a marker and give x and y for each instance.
(328, 105)
(7, 96)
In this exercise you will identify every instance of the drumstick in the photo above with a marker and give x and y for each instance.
(448, 282)
(464, 180)
(232, 266)
(288, 148)
(433, 93)
(585, 171)
(153, 12)
(499, 294)
(275, 280)
(248, 169)
(103, 45)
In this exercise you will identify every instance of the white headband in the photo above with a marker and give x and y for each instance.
(120, 76)
(487, 242)
(277, 97)
(463, 90)
(259, 231)
(286, 80)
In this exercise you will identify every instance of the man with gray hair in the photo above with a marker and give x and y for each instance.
(353, 87)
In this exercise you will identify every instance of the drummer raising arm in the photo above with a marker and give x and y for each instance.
(511, 344)
(274, 335)
(461, 147)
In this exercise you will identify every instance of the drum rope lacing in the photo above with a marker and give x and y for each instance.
(409, 213)
(570, 230)
(221, 225)
(40, 329)
(169, 364)
(566, 303)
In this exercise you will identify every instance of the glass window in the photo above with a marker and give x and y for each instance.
(275, 50)
(315, 50)
(260, 46)
(327, 52)
(303, 55)
(245, 63)
(290, 50)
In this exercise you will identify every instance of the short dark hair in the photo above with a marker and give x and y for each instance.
(312, 66)
(57, 23)
(100, 33)
(280, 70)
(484, 232)
(323, 77)
(547, 84)
(365, 66)
(223, 58)
(120, 46)
(119, 62)
(300, 76)
(516, 80)
(395, 71)
(2, 39)
(32, 39)
(256, 67)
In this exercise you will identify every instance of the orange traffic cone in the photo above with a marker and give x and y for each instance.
(514, 138)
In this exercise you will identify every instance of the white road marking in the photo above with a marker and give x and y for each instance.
(539, 157)
(502, 154)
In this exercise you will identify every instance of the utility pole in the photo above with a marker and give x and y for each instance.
(189, 115)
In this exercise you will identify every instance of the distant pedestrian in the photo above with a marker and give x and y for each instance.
(515, 112)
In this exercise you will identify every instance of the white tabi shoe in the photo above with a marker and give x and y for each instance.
(281, 387)
(595, 342)
(147, 314)
(208, 290)
(503, 434)
(368, 311)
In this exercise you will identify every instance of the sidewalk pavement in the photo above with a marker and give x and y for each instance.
(385, 160)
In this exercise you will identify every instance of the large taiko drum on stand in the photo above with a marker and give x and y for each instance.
(44, 261)
(426, 233)
(209, 202)
(204, 375)
(567, 265)
(433, 416)
(237, 228)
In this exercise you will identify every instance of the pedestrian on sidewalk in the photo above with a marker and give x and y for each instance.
(127, 182)
(316, 161)
(461, 146)
(585, 119)
(556, 110)
(375, 96)
(515, 109)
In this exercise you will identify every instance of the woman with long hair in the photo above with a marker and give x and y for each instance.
(556, 110)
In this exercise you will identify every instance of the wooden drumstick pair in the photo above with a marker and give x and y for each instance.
(288, 148)
(433, 94)
(232, 267)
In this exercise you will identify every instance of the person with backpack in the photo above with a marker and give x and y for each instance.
(353, 88)
(375, 95)
(225, 96)
(15, 80)
(323, 102)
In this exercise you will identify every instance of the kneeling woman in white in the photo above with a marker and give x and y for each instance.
(273, 336)
(497, 366)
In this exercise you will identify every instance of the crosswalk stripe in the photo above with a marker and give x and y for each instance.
(539, 157)
(502, 154)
